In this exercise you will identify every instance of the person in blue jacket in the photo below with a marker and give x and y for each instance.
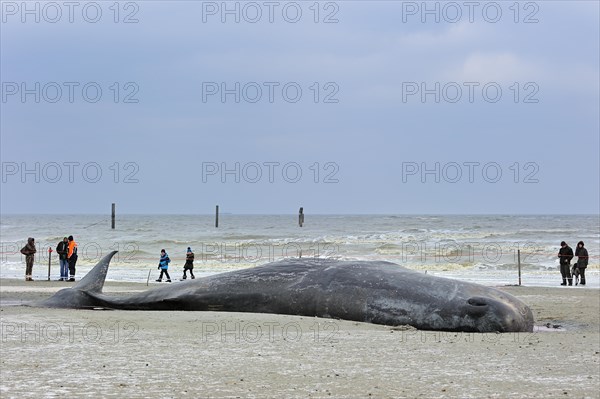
(163, 266)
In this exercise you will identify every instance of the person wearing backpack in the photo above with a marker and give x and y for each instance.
(29, 252)
(72, 257)
(62, 249)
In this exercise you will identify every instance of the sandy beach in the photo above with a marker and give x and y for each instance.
(105, 353)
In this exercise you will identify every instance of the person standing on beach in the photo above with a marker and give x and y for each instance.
(582, 260)
(72, 257)
(189, 264)
(163, 266)
(62, 249)
(29, 252)
(565, 254)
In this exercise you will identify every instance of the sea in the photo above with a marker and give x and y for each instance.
(486, 249)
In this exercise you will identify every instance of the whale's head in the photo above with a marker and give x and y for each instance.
(385, 293)
(441, 304)
(472, 308)
(461, 306)
(455, 305)
(494, 310)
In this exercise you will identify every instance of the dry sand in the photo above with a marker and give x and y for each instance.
(101, 353)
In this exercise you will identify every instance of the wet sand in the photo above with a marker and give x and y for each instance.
(105, 353)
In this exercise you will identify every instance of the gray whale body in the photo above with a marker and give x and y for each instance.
(365, 291)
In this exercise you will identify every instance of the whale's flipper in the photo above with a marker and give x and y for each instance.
(94, 280)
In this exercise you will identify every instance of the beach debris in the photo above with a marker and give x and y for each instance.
(550, 325)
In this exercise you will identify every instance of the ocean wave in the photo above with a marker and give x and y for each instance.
(245, 237)
(389, 249)
(166, 243)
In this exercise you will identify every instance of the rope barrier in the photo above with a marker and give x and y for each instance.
(94, 224)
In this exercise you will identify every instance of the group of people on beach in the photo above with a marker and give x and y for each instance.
(163, 265)
(67, 255)
(565, 255)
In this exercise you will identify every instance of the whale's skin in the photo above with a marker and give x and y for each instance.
(365, 291)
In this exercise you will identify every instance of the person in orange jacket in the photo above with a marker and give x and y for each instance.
(72, 258)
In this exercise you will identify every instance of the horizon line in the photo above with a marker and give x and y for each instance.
(294, 214)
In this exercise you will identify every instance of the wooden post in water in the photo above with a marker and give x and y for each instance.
(49, 261)
(217, 216)
(301, 217)
(112, 217)
(519, 264)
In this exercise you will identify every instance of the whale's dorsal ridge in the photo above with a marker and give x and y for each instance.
(94, 280)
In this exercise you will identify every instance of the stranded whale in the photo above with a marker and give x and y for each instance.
(365, 291)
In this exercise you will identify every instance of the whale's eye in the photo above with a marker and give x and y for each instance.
(477, 301)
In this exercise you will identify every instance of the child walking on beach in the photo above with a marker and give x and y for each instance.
(163, 266)
(189, 264)
(29, 252)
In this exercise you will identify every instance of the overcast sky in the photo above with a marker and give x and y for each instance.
(263, 107)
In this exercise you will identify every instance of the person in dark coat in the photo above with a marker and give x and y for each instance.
(189, 264)
(163, 266)
(62, 249)
(72, 257)
(29, 252)
(565, 254)
(582, 260)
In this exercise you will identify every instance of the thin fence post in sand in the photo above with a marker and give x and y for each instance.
(49, 261)
(301, 217)
(112, 216)
(217, 216)
(519, 264)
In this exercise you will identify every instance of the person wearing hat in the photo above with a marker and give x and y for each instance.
(163, 266)
(565, 254)
(29, 252)
(582, 260)
(189, 264)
